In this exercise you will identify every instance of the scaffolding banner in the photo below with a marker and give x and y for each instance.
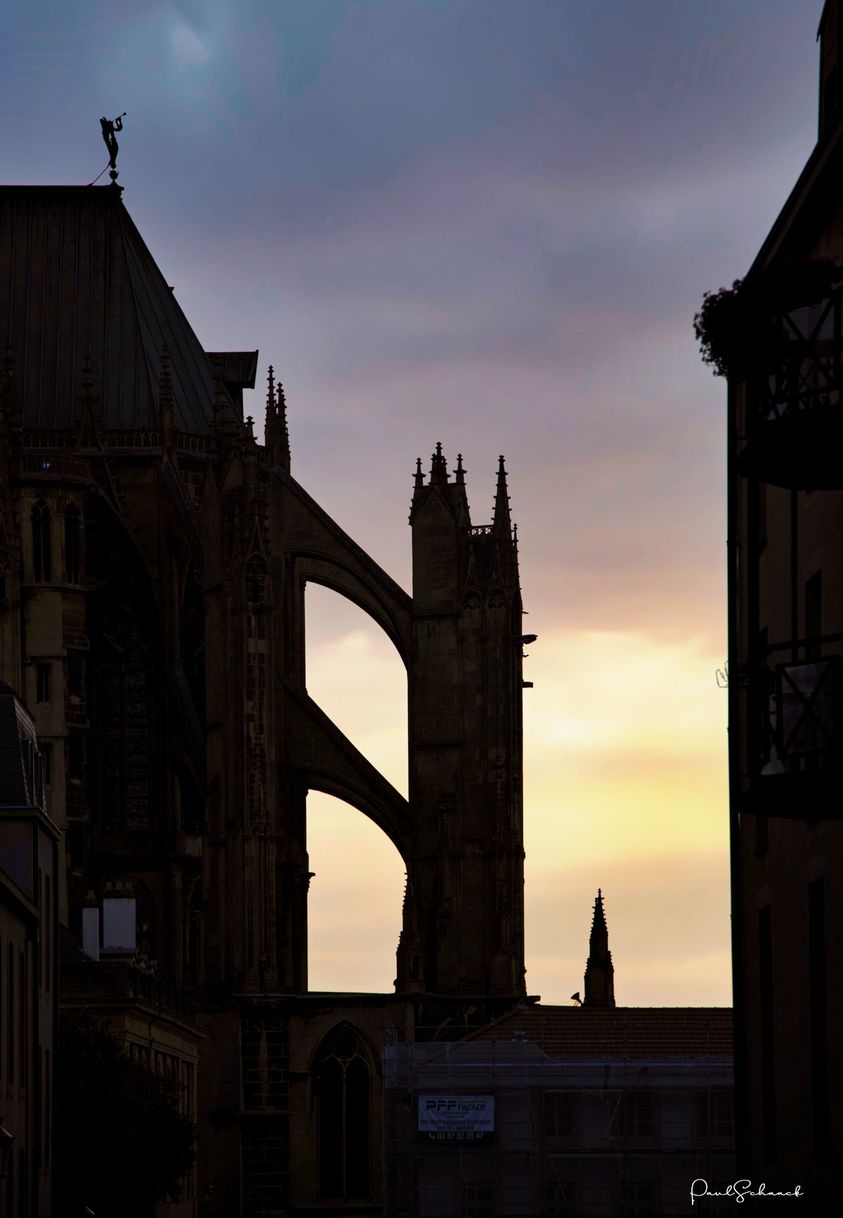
(456, 1118)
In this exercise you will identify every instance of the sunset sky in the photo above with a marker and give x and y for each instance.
(487, 223)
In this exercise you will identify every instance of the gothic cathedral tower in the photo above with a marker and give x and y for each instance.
(153, 564)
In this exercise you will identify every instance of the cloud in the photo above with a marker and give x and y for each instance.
(189, 48)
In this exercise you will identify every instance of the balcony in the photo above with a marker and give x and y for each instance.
(794, 410)
(794, 730)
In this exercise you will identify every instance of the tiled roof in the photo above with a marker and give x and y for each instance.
(77, 280)
(623, 1032)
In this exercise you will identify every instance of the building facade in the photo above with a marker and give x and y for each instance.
(558, 1111)
(154, 558)
(29, 870)
(786, 630)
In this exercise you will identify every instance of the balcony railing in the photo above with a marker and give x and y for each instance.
(794, 729)
(794, 406)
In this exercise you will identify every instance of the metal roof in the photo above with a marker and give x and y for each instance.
(77, 280)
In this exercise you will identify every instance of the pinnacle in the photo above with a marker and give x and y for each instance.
(501, 520)
(438, 466)
(599, 920)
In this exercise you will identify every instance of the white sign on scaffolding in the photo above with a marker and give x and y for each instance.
(457, 1118)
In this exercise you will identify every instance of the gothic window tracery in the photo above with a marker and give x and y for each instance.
(122, 678)
(342, 1080)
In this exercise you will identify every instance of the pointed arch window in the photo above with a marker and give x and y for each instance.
(72, 544)
(256, 590)
(41, 542)
(342, 1078)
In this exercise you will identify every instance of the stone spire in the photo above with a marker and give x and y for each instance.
(283, 440)
(438, 468)
(500, 521)
(271, 405)
(599, 971)
(276, 435)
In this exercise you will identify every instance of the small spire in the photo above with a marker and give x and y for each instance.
(419, 478)
(500, 520)
(250, 427)
(281, 436)
(599, 970)
(599, 920)
(270, 392)
(438, 466)
(460, 472)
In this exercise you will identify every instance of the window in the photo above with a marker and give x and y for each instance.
(75, 676)
(41, 542)
(43, 682)
(47, 763)
(560, 1196)
(636, 1115)
(71, 544)
(478, 1200)
(640, 1199)
(342, 1083)
(560, 1114)
(713, 1113)
(74, 757)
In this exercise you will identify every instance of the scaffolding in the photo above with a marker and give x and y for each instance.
(621, 1136)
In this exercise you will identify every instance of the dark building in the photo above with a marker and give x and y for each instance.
(555, 1111)
(785, 523)
(28, 964)
(154, 558)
